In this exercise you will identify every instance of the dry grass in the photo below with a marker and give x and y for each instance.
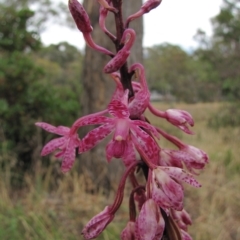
(38, 213)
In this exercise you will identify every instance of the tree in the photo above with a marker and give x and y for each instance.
(223, 55)
(97, 88)
(25, 96)
(223, 50)
(171, 70)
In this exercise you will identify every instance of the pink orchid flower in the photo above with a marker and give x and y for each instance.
(127, 133)
(66, 144)
(178, 118)
(167, 190)
(69, 141)
(192, 157)
(140, 101)
(120, 58)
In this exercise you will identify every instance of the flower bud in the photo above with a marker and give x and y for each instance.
(80, 16)
(98, 223)
(180, 119)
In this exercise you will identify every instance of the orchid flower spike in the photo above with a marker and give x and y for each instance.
(118, 61)
(146, 7)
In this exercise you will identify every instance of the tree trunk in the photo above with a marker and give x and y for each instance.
(98, 88)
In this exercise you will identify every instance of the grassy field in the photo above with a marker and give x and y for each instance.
(37, 213)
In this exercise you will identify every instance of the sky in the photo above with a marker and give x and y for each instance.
(174, 21)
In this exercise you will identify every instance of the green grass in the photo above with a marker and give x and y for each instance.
(37, 213)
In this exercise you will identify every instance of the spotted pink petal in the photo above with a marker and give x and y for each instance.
(96, 135)
(145, 143)
(139, 103)
(181, 175)
(171, 188)
(150, 223)
(129, 155)
(118, 109)
(147, 126)
(62, 130)
(115, 149)
(52, 145)
(47, 127)
(166, 159)
(91, 119)
(160, 197)
(69, 156)
(120, 58)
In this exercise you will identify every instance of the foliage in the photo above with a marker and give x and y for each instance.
(223, 50)
(171, 70)
(222, 53)
(27, 93)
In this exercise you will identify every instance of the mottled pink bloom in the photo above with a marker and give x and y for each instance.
(120, 58)
(189, 158)
(178, 118)
(139, 102)
(146, 7)
(167, 191)
(128, 232)
(149, 224)
(66, 144)
(126, 133)
(167, 160)
(193, 157)
(98, 223)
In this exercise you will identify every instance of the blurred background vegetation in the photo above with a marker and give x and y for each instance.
(43, 83)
